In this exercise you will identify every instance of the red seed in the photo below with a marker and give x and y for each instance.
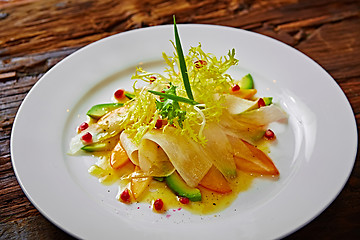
(119, 94)
(235, 88)
(184, 200)
(152, 79)
(269, 134)
(158, 123)
(158, 204)
(200, 63)
(86, 138)
(161, 98)
(125, 195)
(83, 126)
(261, 103)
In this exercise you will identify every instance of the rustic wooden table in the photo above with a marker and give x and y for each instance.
(37, 34)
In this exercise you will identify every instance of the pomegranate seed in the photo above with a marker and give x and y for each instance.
(83, 126)
(158, 204)
(184, 200)
(119, 94)
(158, 123)
(269, 134)
(125, 195)
(261, 103)
(152, 79)
(86, 138)
(200, 63)
(235, 88)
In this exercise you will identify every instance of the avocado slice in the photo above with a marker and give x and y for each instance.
(159, 179)
(237, 105)
(247, 82)
(100, 110)
(96, 147)
(178, 185)
(106, 145)
(267, 100)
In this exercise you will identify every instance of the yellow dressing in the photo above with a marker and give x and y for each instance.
(105, 173)
(211, 202)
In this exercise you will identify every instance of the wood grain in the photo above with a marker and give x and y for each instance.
(37, 34)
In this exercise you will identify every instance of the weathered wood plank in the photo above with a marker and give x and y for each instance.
(34, 63)
(34, 227)
(50, 25)
(341, 41)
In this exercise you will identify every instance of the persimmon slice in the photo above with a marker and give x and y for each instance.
(257, 163)
(118, 157)
(244, 93)
(215, 181)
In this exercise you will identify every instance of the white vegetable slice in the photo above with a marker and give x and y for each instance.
(245, 130)
(108, 126)
(237, 105)
(130, 147)
(219, 149)
(97, 134)
(263, 115)
(153, 160)
(112, 122)
(187, 156)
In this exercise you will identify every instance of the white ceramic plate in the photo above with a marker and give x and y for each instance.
(315, 151)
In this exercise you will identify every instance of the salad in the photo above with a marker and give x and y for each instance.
(191, 137)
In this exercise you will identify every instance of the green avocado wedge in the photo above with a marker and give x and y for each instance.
(99, 110)
(178, 185)
(106, 145)
(267, 100)
(247, 82)
(96, 147)
(159, 179)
